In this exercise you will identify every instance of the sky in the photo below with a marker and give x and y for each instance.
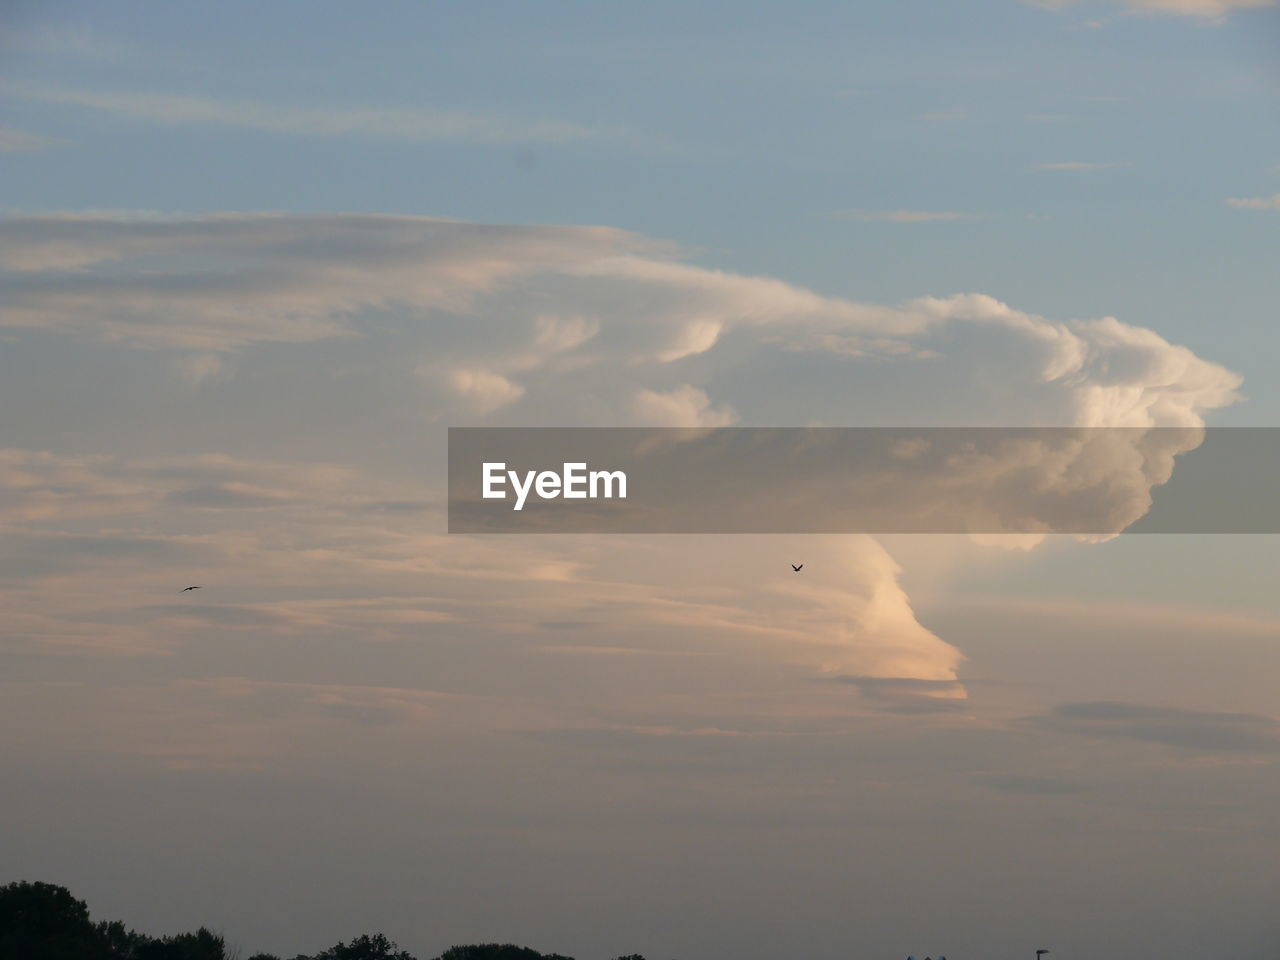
(256, 258)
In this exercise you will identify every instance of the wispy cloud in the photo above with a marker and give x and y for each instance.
(1079, 165)
(1207, 10)
(1255, 203)
(900, 216)
(955, 113)
(415, 124)
(1199, 730)
(63, 40)
(16, 141)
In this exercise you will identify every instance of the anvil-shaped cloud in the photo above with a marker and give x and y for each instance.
(522, 325)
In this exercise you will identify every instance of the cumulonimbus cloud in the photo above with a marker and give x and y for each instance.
(530, 325)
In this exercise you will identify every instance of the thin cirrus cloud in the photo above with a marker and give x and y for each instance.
(414, 124)
(900, 216)
(1209, 10)
(13, 140)
(1255, 203)
(1078, 165)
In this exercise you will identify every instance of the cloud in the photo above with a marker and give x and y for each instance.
(484, 390)
(215, 283)
(64, 40)
(16, 141)
(685, 406)
(1078, 165)
(583, 325)
(195, 369)
(1210, 10)
(910, 695)
(431, 321)
(1255, 203)
(1198, 730)
(40, 486)
(292, 549)
(900, 216)
(413, 124)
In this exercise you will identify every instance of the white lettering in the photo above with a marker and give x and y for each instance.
(574, 482)
(521, 491)
(609, 477)
(575, 473)
(493, 474)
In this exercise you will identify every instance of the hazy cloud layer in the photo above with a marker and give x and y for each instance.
(13, 140)
(1204, 9)
(427, 321)
(414, 124)
(1199, 730)
(1255, 203)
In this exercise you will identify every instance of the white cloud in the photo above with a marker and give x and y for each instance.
(1210, 10)
(414, 124)
(514, 325)
(1198, 8)
(585, 325)
(224, 281)
(195, 369)
(684, 406)
(1255, 203)
(485, 390)
(17, 141)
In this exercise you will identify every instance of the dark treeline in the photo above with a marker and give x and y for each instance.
(41, 921)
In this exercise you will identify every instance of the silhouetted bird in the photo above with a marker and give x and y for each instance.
(185, 589)
(795, 568)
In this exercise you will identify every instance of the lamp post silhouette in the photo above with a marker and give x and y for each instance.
(1040, 953)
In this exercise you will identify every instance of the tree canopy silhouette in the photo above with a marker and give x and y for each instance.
(39, 921)
(42, 921)
(367, 947)
(497, 951)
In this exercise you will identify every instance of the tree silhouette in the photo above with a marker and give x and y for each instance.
(201, 945)
(497, 951)
(366, 947)
(40, 921)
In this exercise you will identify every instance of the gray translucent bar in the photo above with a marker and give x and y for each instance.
(981, 480)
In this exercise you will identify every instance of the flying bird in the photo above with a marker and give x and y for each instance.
(795, 568)
(185, 589)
